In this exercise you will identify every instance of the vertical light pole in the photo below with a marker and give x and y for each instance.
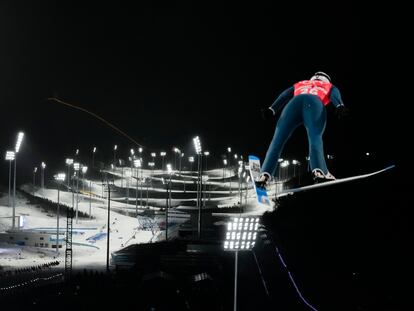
(235, 159)
(77, 167)
(239, 175)
(229, 155)
(20, 136)
(115, 148)
(198, 149)
(132, 159)
(137, 164)
(181, 157)
(84, 170)
(280, 160)
(122, 174)
(241, 190)
(247, 182)
(108, 225)
(151, 165)
(162, 154)
(330, 158)
(153, 155)
(127, 185)
(10, 157)
(176, 153)
(191, 160)
(93, 156)
(42, 176)
(240, 236)
(296, 163)
(140, 150)
(285, 165)
(224, 167)
(69, 162)
(129, 178)
(168, 203)
(60, 178)
(206, 154)
(146, 183)
(34, 179)
(308, 160)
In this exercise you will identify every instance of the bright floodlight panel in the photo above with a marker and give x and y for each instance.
(241, 233)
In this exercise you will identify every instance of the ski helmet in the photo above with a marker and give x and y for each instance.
(321, 76)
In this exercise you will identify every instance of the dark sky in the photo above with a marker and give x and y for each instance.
(165, 73)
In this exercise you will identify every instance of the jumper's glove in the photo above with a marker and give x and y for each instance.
(342, 112)
(267, 114)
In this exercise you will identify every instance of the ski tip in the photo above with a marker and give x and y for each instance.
(389, 167)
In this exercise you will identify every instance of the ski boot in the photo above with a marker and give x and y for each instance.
(319, 177)
(262, 181)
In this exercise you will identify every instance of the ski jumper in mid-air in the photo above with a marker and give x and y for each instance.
(303, 104)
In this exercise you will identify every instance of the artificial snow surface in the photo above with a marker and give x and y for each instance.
(89, 242)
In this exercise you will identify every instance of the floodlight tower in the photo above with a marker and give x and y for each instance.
(20, 136)
(42, 176)
(93, 156)
(140, 150)
(34, 179)
(137, 164)
(240, 236)
(84, 170)
(115, 149)
(10, 155)
(285, 165)
(191, 160)
(76, 166)
(206, 154)
(176, 153)
(162, 154)
(69, 162)
(127, 184)
(168, 203)
(198, 149)
(153, 155)
(132, 160)
(60, 178)
(224, 166)
(151, 165)
(181, 157)
(76, 157)
(295, 163)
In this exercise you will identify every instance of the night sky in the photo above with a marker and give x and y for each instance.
(165, 73)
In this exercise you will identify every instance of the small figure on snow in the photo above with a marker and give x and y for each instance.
(303, 104)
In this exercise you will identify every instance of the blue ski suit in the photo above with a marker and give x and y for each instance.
(300, 109)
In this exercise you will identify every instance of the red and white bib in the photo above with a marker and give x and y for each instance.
(315, 87)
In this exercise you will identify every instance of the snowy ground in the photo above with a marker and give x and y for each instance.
(125, 230)
(86, 253)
